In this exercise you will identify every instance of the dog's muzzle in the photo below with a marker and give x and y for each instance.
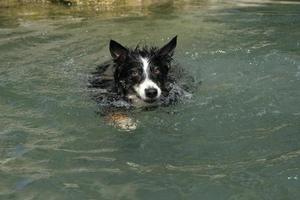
(151, 93)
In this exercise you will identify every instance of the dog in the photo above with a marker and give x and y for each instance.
(140, 77)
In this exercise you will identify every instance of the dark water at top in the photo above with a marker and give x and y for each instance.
(237, 138)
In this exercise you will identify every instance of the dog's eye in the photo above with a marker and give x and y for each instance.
(134, 73)
(156, 70)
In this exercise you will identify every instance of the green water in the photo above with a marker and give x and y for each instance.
(237, 138)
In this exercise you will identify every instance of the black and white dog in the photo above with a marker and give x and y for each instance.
(138, 77)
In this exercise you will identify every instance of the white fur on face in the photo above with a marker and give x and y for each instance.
(147, 82)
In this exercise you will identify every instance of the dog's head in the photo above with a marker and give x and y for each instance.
(142, 72)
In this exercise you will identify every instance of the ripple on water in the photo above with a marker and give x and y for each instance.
(237, 138)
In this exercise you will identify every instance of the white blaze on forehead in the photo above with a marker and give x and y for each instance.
(145, 62)
(147, 82)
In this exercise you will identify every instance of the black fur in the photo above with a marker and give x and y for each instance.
(114, 80)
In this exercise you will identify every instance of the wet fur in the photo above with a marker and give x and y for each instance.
(113, 85)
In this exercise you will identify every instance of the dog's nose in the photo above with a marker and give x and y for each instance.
(151, 92)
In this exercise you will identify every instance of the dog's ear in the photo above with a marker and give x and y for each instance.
(168, 49)
(117, 51)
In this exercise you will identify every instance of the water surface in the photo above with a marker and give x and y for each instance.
(237, 138)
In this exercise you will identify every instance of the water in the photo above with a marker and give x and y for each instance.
(237, 138)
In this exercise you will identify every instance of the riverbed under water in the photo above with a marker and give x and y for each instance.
(237, 138)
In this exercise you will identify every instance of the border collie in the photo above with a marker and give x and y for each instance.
(139, 77)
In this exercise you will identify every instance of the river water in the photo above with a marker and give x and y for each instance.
(237, 138)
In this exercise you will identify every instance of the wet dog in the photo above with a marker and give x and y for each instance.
(139, 77)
